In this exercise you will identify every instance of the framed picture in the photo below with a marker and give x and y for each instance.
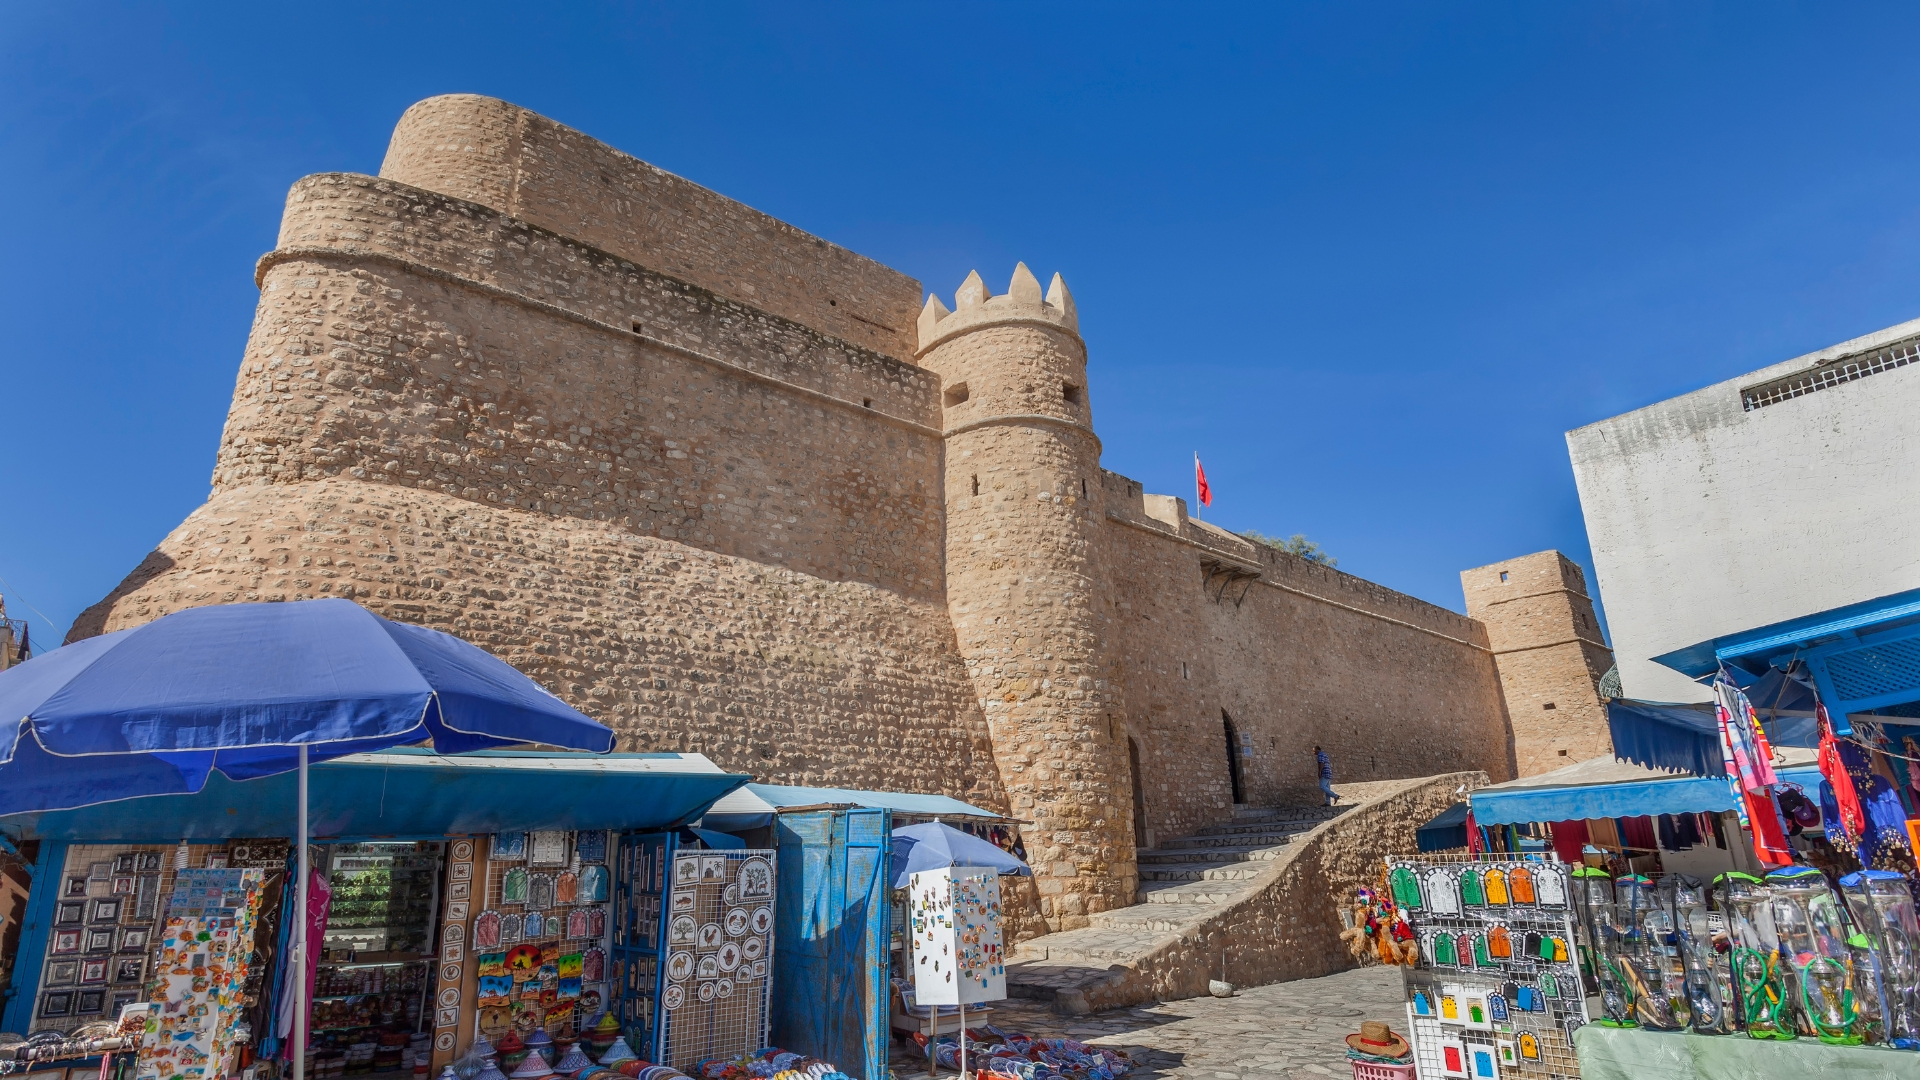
(508, 846)
(100, 871)
(146, 896)
(63, 973)
(146, 862)
(133, 939)
(756, 879)
(123, 864)
(100, 940)
(121, 999)
(66, 941)
(69, 914)
(90, 1003)
(547, 847)
(57, 1003)
(123, 885)
(93, 971)
(590, 846)
(686, 869)
(130, 970)
(105, 911)
(76, 885)
(713, 868)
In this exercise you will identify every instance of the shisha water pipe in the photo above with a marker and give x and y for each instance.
(1595, 892)
(1813, 941)
(1709, 976)
(1756, 958)
(1882, 907)
(1648, 957)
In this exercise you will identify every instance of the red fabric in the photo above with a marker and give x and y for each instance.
(1637, 832)
(1200, 485)
(1852, 818)
(1473, 835)
(1570, 840)
(1769, 838)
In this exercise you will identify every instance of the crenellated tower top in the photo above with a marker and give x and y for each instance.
(974, 307)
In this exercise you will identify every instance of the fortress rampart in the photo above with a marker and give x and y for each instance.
(732, 489)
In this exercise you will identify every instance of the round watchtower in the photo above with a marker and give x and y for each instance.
(1022, 483)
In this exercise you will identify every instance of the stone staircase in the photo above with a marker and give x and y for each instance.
(1248, 900)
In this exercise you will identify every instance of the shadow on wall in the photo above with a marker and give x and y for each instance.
(93, 621)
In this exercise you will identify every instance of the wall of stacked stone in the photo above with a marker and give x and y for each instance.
(766, 670)
(1298, 661)
(529, 167)
(406, 337)
(1289, 927)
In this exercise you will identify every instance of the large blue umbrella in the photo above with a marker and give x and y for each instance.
(934, 846)
(252, 690)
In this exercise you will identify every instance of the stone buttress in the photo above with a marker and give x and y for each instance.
(1022, 484)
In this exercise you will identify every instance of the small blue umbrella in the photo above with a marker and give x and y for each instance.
(253, 690)
(934, 846)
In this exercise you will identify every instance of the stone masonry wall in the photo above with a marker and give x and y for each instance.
(1546, 640)
(487, 151)
(1390, 686)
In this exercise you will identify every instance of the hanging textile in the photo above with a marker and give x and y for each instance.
(1605, 833)
(1749, 757)
(1476, 840)
(1570, 841)
(1769, 836)
(1637, 832)
(319, 902)
(1852, 822)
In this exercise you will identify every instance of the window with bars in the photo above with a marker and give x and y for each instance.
(1830, 374)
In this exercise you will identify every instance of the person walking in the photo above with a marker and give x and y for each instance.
(1325, 763)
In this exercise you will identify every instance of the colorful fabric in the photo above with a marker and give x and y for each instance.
(1749, 758)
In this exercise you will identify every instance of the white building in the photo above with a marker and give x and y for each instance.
(1787, 491)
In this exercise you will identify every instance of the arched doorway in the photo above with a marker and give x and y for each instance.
(1139, 794)
(1233, 759)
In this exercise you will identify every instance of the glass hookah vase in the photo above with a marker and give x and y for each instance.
(1758, 975)
(1882, 907)
(1709, 978)
(1812, 933)
(1606, 936)
(1648, 956)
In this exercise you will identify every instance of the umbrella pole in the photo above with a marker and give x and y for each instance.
(300, 942)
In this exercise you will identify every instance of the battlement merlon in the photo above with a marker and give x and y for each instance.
(975, 307)
(510, 159)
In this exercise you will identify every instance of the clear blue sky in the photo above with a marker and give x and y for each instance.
(1370, 261)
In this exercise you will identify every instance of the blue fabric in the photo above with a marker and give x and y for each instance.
(1682, 795)
(933, 846)
(1446, 832)
(238, 687)
(718, 841)
(1667, 735)
(407, 793)
(898, 801)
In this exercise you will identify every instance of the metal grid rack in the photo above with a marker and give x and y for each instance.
(717, 973)
(540, 933)
(1497, 991)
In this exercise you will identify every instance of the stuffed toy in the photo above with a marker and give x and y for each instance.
(1379, 930)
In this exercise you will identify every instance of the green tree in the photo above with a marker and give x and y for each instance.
(1297, 544)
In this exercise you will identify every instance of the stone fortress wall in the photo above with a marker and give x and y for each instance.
(713, 481)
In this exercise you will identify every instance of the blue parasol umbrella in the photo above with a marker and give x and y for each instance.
(933, 846)
(252, 690)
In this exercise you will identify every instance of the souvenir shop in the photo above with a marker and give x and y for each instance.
(1740, 887)
(450, 909)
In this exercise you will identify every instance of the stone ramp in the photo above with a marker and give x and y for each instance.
(1251, 901)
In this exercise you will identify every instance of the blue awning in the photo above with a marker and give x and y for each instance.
(1664, 735)
(411, 793)
(1446, 832)
(1603, 787)
(755, 804)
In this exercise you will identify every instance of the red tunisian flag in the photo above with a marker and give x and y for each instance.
(1202, 489)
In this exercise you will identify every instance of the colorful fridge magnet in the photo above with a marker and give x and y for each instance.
(513, 887)
(1549, 986)
(1470, 892)
(590, 846)
(1496, 886)
(1483, 1067)
(1497, 1008)
(1521, 884)
(593, 964)
(1500, 943)
(1453, 1057)
(756, 879)
(547, 847)
(593, 884)
(596, 922)
(1476, 1012)
(1444, 950)
(577, 923)
(1442, 891)
(1529, 1046)
(1422, 1004)
(540, 891)
(1503, 1049)
(510, 927)
(486, 930)
(556, 924)
(1551, 886)
(566, 887)
(1404, 883)
(508, 847)
(1449, 1007)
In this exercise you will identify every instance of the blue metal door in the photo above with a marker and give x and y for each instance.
(832, 946)
(639, 891)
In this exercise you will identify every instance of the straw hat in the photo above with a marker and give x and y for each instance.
(1377, 1039)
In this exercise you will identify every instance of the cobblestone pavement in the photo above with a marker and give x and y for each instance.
(1292, 1030)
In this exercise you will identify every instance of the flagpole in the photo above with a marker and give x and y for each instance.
(1196, 492)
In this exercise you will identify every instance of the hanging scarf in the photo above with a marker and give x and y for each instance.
(1749, 758)
(1852, 821)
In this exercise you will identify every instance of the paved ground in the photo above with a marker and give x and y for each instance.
(1294, 1030)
